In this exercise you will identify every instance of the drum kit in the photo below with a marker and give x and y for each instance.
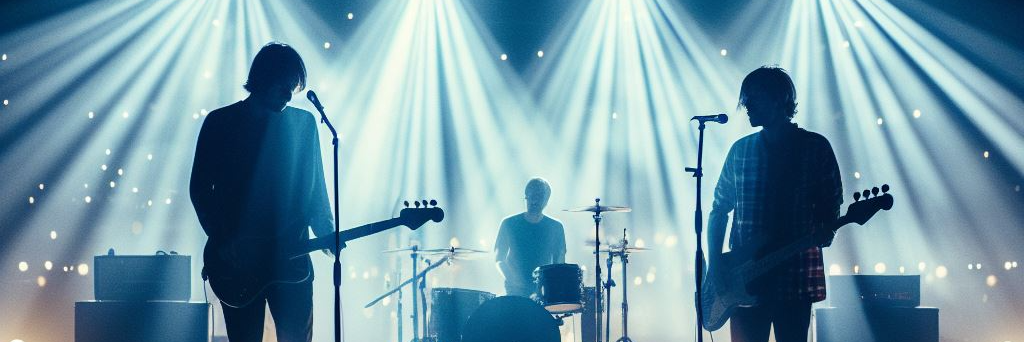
(458, 314)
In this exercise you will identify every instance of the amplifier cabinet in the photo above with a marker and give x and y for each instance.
(142, 277)
(134, 321)
(877, 324)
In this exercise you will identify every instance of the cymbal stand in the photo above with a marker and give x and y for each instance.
(624, 257)
(415, 294)
(399, 305)
(597, 268)
(608, 284)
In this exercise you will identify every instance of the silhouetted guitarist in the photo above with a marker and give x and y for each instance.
(781, 183)
(258, 173)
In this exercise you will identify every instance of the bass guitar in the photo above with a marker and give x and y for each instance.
(725, 290)
(241, 269)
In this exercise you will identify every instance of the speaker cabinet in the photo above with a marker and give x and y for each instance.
(877, 324)
(132, 321)
(142, 277)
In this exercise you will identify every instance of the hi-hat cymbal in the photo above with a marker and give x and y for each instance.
(601, 209)
(398, 250)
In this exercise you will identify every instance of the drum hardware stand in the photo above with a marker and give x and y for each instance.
(415, 294)
(597, 209)
(421, 288)
(624, 257)
(560, 318)
(399, 304)
(626, 306)
(597, 269)
(608, 301)
(419, 278)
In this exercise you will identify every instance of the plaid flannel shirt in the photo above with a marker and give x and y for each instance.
(781, 194)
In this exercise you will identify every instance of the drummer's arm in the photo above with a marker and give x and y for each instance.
(559, 256)
(501, 252)
(503, 269)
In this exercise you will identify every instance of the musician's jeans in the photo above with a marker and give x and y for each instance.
(790, 318)
(291, 306)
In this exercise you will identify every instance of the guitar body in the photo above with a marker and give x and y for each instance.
(721, 295)
(725, 286)
(240, 271)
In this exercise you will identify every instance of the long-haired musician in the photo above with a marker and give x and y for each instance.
(258, 173)
(780, 184)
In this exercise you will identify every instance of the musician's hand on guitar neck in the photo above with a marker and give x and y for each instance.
(328, 253)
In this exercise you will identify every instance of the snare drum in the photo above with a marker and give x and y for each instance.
(450, 309)
(559, 287)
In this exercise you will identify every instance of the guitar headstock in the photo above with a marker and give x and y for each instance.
(422, 212)
(867, 203)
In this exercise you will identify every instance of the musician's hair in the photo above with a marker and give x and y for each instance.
(774, 82)
(538, 184)
(276, 62)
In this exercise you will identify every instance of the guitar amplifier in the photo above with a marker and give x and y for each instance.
(154, 321)
(877, 324)
(142, 277)
(854, 291)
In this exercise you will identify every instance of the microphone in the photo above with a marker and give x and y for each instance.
(719, 118)
(316, 101)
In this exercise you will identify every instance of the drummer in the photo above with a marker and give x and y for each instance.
(529, 240)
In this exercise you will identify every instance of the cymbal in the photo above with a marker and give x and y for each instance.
(627, 249)
(397, 250)
(452, 250)
(601, 209)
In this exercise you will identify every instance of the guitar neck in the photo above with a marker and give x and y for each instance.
(773, 259)
(328, 241)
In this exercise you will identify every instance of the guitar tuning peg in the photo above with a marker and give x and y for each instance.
(417, 203)
(856, 196)
(874, 191)
(885, 188)
(866, 193)
(433, 203)
(406, 203)
(424, 203)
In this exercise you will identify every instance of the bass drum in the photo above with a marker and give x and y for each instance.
(511, 319)
(450, 308)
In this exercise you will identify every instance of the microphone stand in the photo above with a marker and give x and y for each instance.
(698, 172)
(338, 245)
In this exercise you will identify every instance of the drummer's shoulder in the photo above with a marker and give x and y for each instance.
(511, 218)
(553, 221)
